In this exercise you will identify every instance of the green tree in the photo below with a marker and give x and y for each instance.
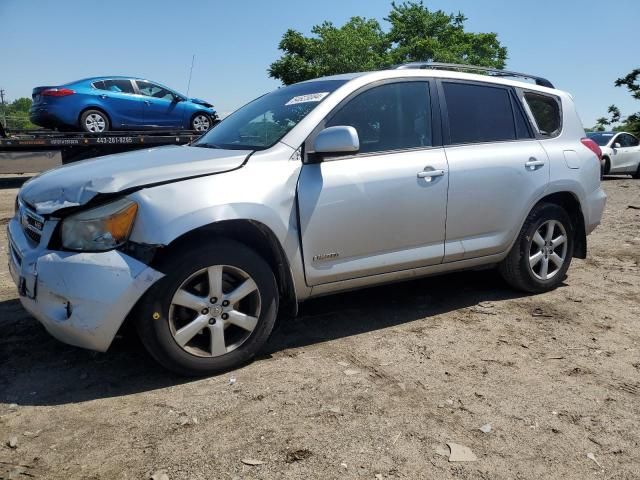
(632, 122)
(17, 114)
(416, 34)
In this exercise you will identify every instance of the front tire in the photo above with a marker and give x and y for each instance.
(212, 312)
(94, 121)
(637, 174)
(201, 122)
(540, 258)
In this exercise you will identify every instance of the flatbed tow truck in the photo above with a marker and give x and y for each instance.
(32, 151)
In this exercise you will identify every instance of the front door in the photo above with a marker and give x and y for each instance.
(161, 107)
(384, 208)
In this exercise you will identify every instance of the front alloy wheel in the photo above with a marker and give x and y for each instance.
(212, 311)
(201, 123)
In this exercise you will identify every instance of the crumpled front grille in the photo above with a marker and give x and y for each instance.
(32, 223)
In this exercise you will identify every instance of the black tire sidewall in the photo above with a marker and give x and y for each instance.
(540, 215)
(155, 332)
(107, 123)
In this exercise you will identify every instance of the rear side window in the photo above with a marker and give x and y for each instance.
(389, 117)
(478, 113)
(546, 113)
(116, 86)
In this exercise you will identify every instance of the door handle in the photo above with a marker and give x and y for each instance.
(533, 163)
(429, 174)
(147, 102)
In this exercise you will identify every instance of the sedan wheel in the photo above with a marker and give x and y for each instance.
(94, 121)
(201, 123)
(214, 311)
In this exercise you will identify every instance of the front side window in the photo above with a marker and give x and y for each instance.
(478, 113)
(262, 123)
(546, 113)
(389, 117)
(116, 86)
(152, 90)
(626, 140)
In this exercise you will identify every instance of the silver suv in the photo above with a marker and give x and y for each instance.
(324, 186)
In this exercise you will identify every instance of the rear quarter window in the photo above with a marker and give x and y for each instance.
(546, 113)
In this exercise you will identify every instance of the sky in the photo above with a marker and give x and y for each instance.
(582, 46)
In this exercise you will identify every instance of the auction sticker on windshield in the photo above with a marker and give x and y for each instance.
(312, 97)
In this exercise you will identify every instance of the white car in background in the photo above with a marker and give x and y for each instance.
(620, 152)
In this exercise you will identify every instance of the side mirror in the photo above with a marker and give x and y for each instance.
(617, 145)
(338, 139)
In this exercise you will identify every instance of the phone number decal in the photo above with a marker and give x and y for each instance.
(114, 140)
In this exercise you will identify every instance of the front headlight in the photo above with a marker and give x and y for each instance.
(101, 228)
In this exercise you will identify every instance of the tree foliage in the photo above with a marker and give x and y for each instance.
(632, 122)
(16, 114)
(415, 34)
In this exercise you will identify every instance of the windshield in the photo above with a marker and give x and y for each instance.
(261, 123)
(601, 138)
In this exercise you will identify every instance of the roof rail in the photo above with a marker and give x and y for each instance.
(543, 82)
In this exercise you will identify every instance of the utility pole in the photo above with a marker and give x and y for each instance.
(4, 111)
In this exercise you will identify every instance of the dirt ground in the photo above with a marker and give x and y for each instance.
(371, 384)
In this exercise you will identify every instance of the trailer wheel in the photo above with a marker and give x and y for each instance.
(94, 121)
(201, 122)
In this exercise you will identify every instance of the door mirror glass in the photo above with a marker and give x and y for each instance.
(338, 139)
(617, 145)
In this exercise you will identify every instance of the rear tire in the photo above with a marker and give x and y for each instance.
(94, 121)
(539, 259)
(197, 339)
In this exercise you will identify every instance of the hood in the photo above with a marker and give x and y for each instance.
(201, 102)
(76, 184)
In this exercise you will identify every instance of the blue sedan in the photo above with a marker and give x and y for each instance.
(101, 104)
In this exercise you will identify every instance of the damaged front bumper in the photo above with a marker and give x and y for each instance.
(80, 298)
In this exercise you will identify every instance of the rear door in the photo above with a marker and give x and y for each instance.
(161, 106)
(118, 98)
(377, 211)
(496, 167)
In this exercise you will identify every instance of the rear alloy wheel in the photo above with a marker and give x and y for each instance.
(212, 312)
(201, 122)
(542, 253)
(94, 121)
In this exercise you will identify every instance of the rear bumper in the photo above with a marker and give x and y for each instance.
(80, 298)
(51, 116)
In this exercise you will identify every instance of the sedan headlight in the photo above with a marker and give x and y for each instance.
(101, 228)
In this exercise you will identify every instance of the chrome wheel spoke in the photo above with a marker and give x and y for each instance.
(189, 300)
(538, 240)
(544, 269)
(559, 240)
(190, 330)
(215, 281)
(247, 287)
(246, 322)
(556, 259)
(535, 258)
(551, 225)
(218, 345)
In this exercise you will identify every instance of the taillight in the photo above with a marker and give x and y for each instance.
(593, 146)
(57, 92)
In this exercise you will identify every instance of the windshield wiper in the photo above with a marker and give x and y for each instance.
(208, 145)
